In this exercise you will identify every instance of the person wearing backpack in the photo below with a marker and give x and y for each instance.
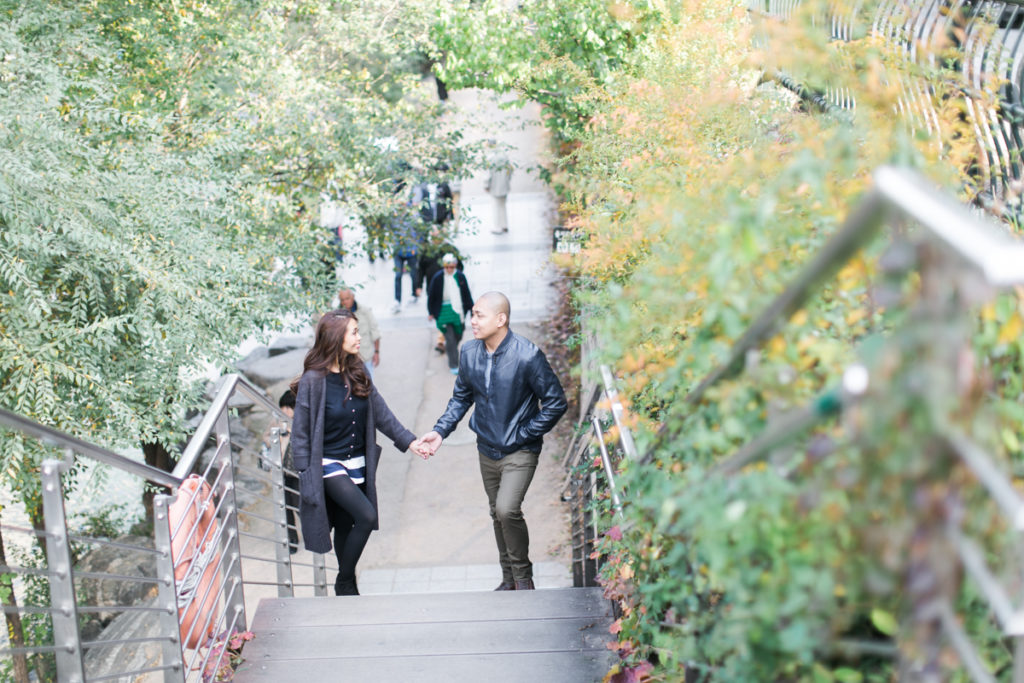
(434, 201)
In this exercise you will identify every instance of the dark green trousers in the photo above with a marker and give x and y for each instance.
(506, 482)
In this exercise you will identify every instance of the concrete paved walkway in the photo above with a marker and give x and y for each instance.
(435, 532)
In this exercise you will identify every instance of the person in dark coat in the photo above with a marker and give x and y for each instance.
(338, 412)
(448, 302)
(430, 264)
(430, 258)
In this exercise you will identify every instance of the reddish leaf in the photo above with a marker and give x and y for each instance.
(635, 674)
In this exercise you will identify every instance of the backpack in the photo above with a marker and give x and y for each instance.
(435, 205)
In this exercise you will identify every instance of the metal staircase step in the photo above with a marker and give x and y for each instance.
(543, 635)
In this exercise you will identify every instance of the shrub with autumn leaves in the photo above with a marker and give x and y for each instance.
(702, 192)
(225, 655)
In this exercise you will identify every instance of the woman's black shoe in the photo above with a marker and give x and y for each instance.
(345, 586)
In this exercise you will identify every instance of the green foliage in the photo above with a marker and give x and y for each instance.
(702, 194)
(550, 51)
(161, 169)
(33, 590)
(110, 521)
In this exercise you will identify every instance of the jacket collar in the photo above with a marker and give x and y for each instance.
(504, 343)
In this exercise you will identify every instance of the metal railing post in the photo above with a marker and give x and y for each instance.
(606, 462)
(234, 589)
(167, 589)
(319, 575)
(930, 577)
(576, 521)
(589, 530)
(66, 638)
(282, 551)
(625, 436)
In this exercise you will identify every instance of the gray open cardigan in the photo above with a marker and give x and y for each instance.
(308, 453)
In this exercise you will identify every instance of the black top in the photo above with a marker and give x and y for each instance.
(344, 420)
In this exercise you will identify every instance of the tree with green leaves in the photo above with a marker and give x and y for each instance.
(553, 52)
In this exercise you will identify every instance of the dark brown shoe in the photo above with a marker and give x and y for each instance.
(506, 586)
(524, 585)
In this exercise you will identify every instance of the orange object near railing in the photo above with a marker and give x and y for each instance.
(194, 553)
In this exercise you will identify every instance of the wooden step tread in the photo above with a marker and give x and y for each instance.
(543, 635)
(433, 607)
(544, 667)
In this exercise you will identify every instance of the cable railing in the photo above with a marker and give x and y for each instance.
(987, 37)
(591, 481)
(225, 521)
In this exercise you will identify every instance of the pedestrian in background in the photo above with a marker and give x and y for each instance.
(369, 330)
(448, 302)
(437, 245)
(406, 255)
(497, 184)
(430, 264)
(338, 412)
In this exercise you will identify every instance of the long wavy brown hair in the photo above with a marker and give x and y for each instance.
(327, 350)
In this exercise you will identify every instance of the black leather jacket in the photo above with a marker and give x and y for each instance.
(523, 402)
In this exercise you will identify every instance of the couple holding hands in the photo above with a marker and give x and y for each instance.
(338, 412)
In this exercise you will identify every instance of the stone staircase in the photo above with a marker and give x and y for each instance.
(550, 635)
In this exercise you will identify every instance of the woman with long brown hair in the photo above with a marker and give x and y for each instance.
(338, 412)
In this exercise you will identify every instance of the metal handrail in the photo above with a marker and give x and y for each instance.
(979, 246)
(198, 441)
(990, 250)
(987, 50)
(581, 484)
(53, 437)
(56, 438)
(64, 609)
(606, 462)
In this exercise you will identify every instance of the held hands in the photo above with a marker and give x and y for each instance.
(426, 445)
(431, 441)
(420, 449)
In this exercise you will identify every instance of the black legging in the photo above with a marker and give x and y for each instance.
(353, 517)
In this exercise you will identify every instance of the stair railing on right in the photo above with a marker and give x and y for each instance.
(584, 487)
(959, 260)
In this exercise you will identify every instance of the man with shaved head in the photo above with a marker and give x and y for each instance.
(518, 400)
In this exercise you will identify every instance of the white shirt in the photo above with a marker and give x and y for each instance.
(451, 293)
